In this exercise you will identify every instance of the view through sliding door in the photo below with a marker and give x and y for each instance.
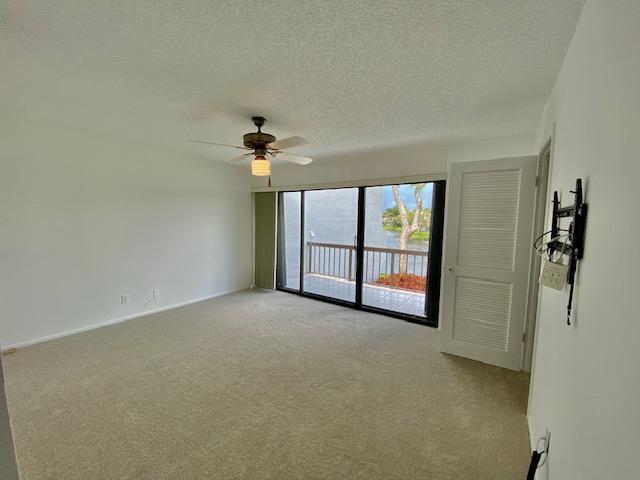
(330, 233)
(394, 268)
(289, 225)
(396, 247)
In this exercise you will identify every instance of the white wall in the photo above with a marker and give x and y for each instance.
(586, 377)
(397, 162)
(511, 146)
(86, 219)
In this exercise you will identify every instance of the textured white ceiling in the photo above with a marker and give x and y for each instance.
(346, 75)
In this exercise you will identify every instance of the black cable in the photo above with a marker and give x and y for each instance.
(539, 238)
(535, 242)
(533, 466)
(569, 304)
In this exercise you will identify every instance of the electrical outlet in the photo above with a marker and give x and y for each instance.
(124, 299)
(553, 275)
(156, 294)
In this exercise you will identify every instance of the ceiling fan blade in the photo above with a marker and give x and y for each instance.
(293, 158)
(288, 142)
(220, 144)
(238, 160)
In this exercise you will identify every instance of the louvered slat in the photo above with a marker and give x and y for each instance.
(481, 313)
(489, 219)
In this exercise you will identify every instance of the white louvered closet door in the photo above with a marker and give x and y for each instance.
(490, 210)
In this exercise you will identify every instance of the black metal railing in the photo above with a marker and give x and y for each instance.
(339, 261)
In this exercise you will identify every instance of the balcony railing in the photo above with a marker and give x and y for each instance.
(339, 261)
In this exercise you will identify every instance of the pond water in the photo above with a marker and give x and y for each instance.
(392, 240)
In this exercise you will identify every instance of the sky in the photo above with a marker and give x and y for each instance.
(406, 193)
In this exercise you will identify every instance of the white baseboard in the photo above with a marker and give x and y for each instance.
(113, 321)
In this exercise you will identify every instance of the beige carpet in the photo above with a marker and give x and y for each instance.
(259, 385)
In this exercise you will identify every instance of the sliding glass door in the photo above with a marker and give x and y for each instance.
(330, 232)
(374, 248)
(396, 247)
(289, 225)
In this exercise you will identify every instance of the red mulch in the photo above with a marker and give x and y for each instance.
(407, 281)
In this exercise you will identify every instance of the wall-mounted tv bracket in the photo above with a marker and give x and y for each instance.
(574, 246)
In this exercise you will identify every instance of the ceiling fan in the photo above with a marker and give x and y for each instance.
(264, 146)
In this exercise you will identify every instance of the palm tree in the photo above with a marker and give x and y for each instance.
(408, 226)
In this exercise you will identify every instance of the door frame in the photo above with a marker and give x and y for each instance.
(432, 299)
(543, 175)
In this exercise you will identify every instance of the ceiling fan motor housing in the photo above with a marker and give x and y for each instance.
(258, 140)
(260, 167)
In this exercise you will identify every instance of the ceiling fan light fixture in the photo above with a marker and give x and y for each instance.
(262, 144)
(260, 166)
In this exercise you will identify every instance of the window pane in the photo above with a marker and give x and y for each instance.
(396, 247)
(331, 225)
(289, 240)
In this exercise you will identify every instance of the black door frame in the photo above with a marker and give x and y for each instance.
(432, 299)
